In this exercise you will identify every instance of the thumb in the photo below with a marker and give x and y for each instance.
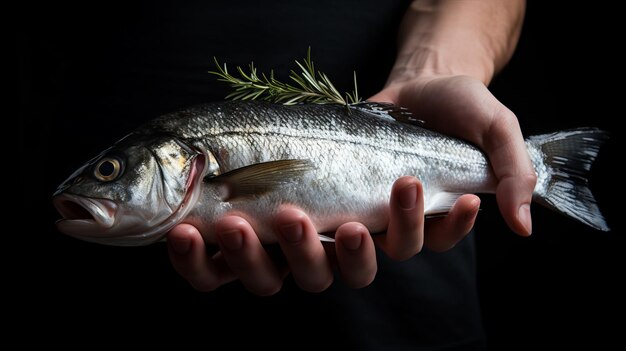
(385, 95)
(505, 147)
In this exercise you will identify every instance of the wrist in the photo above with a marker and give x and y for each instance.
(457, 38)
(425, 63)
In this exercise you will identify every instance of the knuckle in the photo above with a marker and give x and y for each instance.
(529, 179)
(503, 125)
(505, 116)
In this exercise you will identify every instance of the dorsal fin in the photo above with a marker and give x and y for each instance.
(389, 111)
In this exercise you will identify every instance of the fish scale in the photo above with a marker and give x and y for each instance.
(337, 163)
(403, 147)
(380, 150)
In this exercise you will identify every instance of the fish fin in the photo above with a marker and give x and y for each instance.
(388, 110)
(436, 215)
(324, 238)
(440, 204)
(259, 178)
(569, 156)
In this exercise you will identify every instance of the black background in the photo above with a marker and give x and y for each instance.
(561, 286)
(564, 284)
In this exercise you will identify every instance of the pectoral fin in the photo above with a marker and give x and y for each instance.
(324, 238)
(259, 178)
(440, 204)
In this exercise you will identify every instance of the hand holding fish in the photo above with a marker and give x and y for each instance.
(463, 107)
(306, 257)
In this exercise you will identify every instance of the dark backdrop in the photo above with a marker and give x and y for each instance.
(560, 287)
(563, 285)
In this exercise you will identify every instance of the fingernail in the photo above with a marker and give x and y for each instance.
(524, 216)
(408, 197)
(292, 232)
(353, 242)
(231, 240)
(180, 246)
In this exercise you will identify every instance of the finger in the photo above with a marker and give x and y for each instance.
(442, 234)
(405, 234)
(190, 259)
(303, 250)
(356, 255)
(504, 144)
(246, 257)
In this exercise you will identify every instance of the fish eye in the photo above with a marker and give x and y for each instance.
(107, 169)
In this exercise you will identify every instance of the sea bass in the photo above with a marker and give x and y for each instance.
(335, 162)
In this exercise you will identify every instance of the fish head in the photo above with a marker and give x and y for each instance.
(132, 193)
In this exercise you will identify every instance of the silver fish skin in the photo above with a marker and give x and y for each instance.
(337, 163)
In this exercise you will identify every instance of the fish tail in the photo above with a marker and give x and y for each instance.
(563, 161)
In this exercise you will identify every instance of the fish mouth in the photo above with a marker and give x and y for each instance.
(103, 221)
(84, 216)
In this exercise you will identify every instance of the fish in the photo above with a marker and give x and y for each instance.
(335, 162)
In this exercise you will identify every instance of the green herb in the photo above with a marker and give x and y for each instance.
(310, 86)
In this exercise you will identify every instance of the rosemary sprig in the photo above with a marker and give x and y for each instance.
(310, 86)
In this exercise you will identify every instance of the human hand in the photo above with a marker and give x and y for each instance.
(243, 257)
(463, 107)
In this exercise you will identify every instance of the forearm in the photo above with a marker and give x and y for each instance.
(457, 37)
